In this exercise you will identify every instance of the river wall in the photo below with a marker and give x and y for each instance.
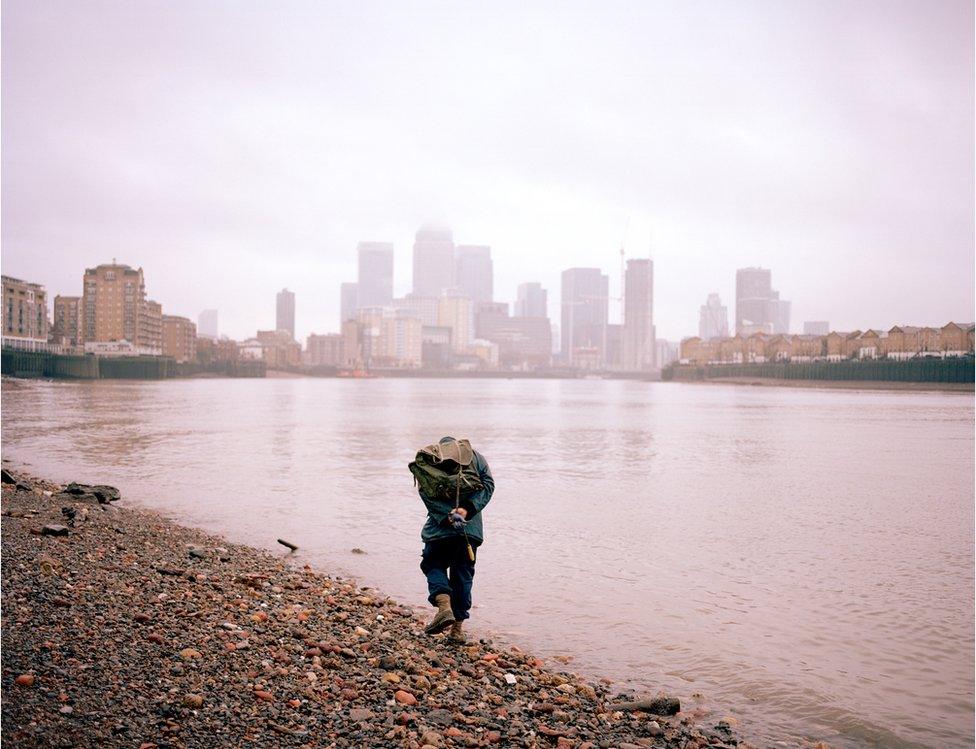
(60, 366)
(955, 370)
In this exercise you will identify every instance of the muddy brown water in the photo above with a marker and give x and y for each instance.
(801, 560)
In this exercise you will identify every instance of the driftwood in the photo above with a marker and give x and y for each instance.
(288, 544)
(656, 705)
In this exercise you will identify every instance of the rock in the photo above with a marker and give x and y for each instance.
(66, 710)
(390, 678)
(389, 662)
(654, 729)
(655, 705)
(6, 478)
(404, 697)
(25, 680)
(349, 694)
(510, 679)
(222, 554)
(190, 653)
(54, 530)
(263, 695)
(432, 738)
(357, 550)
(101, 493)
(192, 701)
(359, 714)
(157, 638)
(440, 717)
(196, 552)
(141, 618)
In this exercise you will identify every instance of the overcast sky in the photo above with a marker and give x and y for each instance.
(234, 148)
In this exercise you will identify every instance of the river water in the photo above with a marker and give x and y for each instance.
(801, 560)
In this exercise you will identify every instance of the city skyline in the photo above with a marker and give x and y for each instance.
(845, 168)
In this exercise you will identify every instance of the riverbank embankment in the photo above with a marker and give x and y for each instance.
(946, 387)
(123, 629)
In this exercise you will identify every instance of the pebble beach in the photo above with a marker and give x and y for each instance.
(123, 629)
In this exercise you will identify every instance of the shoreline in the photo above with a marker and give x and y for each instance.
(942, 387)
(123, 628)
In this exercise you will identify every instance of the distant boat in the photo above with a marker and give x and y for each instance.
(360, 373)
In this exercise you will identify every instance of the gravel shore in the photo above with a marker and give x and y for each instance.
(122, 629)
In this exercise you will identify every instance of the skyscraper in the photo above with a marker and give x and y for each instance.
(758, 307)
(713, 319)
(585, 308)
(532, 300)
(779, 314)
(433, 261)
(375, 274)
(348, 301)
(207, 324)
(473, 268)
(638, 331)
(285, 312)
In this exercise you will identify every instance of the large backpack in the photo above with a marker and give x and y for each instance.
(446, 471)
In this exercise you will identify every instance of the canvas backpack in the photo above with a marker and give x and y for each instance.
(446, 471)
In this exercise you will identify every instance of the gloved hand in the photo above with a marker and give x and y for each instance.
(457, 520)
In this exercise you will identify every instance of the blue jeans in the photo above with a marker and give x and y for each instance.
(448, 569)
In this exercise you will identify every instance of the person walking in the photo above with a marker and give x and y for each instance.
(455, 484)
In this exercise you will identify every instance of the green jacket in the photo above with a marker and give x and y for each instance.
(438, 526)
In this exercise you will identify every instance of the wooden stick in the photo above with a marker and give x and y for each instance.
(286, 543)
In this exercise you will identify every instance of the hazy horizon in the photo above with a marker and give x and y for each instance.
(233, 149)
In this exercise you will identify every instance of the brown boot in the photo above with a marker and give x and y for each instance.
(456, 634)
(444, 617)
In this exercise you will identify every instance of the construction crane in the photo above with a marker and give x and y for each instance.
(623, 270)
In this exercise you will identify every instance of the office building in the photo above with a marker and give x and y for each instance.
(279, 349)
(487, 311)
(67, 323)
(207, 324)
(758, 307)
(25, 318)
(454, 311)
(713, 319)
(348, 301)
(523, 342)
(638, 351)
(667, 352)
(375, 274)
(179, 338)
(473, 269)
(585, 307)
(285, 312)
(433, 262)
(424, 308)
(816, 327)
(324, 350)
(531, 300)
